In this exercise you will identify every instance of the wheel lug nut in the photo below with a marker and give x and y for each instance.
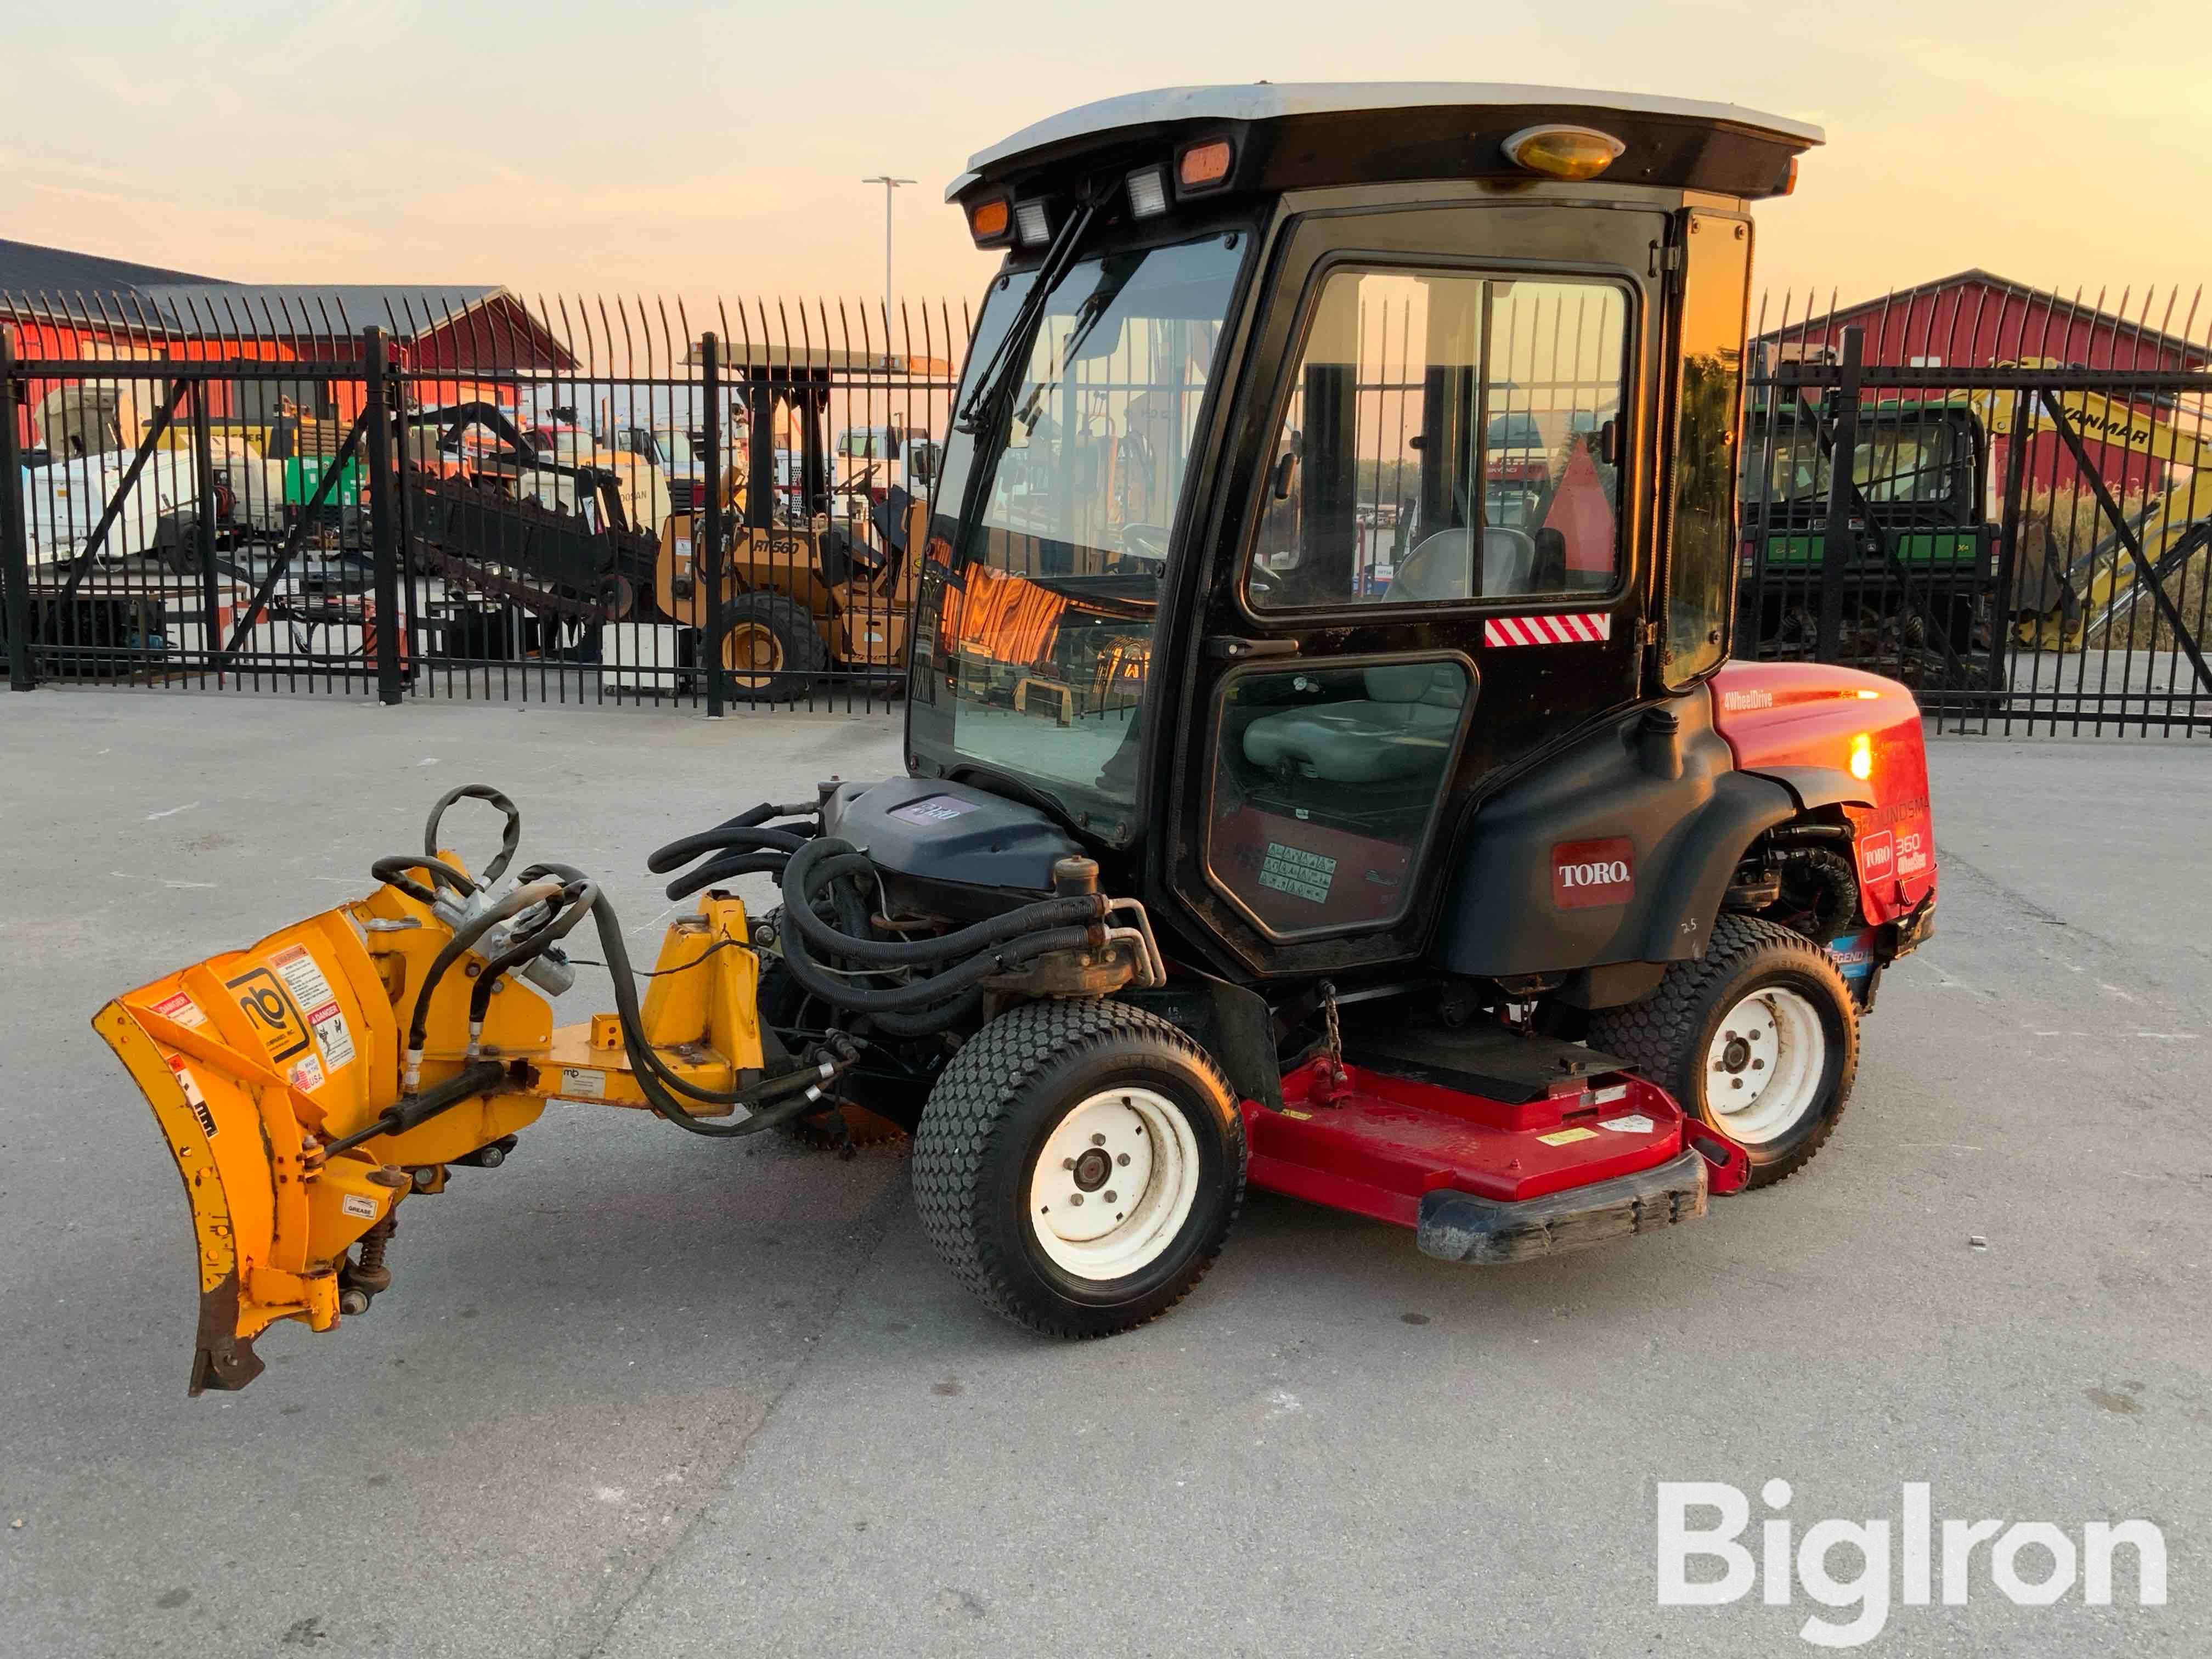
(1068, 1164)
(1075, 1198)
(1098, 1140)
(1734, 1082)
(1123, 1160)
(1758, 1065)
(1109, 1195)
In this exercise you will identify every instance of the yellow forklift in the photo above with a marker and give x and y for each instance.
(1482, 896)
(807, 592)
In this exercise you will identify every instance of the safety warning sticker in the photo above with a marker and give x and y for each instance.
(193, 1097)
(182, 1009)
(1634, 1124)
(1567, 1137)
(303, 977)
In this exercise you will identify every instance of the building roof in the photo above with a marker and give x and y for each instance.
(197, 308)
(2190, 351)
(30, 268)
(1264, 101)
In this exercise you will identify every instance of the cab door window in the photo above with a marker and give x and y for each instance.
(1446, 436)
(1326, 782)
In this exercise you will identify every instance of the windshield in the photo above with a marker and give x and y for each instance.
(1033, 636)
(1895, 462)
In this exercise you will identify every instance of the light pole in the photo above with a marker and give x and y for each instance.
(890, 184)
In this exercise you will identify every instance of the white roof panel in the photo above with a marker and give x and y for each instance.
(1265, 101)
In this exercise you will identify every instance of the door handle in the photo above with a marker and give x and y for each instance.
(1234, 649)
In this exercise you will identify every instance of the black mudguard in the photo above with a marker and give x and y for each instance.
(1540, 888)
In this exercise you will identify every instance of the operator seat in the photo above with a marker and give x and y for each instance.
(1402, 727)
(1442, 567)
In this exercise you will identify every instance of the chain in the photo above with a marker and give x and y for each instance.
(1337, 1080)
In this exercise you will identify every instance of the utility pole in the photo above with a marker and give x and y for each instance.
(890, 184)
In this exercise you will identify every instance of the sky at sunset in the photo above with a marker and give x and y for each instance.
(694, 149)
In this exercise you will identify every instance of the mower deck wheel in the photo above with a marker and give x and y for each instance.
(1079, 1165)
(1758, 1037)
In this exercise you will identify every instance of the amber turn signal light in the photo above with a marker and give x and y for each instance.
(990, 222)
(1204, 166)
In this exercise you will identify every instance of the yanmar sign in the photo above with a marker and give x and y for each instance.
(1586, 874)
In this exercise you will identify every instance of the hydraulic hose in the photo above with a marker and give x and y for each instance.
(575, 903)
(770, 1101)
(830, 858)
(936, 989)
(523, 897)
(677, 853)
(644, 1062)
(723, 868)
(510, 838)
(394, 869)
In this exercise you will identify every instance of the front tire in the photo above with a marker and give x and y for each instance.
(771, 652)
(1759, 1038)
(1079, 1165)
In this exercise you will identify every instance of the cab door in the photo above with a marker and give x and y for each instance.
(1423, 565)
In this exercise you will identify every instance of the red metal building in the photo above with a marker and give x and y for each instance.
(1977, 319)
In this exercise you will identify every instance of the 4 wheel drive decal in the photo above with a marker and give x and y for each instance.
(1563, 627)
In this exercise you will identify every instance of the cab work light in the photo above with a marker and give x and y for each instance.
(1204, 166)
(1559, 152)
(1148, 193)
(1032, 223)
(991, 222)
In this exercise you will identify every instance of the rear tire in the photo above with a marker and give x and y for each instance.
(1760, 1039)
(1055, 1117)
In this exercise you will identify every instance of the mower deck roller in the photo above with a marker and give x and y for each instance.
(1324, 770)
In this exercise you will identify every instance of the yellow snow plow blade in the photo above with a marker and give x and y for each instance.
(276, 1074)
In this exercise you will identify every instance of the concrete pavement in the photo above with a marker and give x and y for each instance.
(633, 1395)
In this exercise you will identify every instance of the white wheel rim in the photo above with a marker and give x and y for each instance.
(1113, 1184)
(1765, 1066)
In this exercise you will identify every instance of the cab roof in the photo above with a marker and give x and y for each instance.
(1373, 132)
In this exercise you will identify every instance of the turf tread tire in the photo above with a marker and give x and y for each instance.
(1659, 1034)
(966, 1115)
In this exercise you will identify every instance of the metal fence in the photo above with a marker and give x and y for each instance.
(467, 497)
(411, 495)
(2024, 531)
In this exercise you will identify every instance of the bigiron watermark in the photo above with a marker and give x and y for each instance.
(1864, 1569)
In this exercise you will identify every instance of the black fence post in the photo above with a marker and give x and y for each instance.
(14, 534)
(376, 415)
(1838, 548)
(707, 549)
(203, 526)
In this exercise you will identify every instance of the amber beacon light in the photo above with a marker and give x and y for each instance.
(1562, 152)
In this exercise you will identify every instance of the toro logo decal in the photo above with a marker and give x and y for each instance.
(1877, 856)
(1586, 874)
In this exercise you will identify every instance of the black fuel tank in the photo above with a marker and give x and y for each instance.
(949, 832)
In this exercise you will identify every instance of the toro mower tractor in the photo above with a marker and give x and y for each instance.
(1324, 771)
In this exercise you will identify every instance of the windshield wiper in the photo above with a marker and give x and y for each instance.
(998, 376)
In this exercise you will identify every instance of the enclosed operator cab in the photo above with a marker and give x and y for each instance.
(1324, 456)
